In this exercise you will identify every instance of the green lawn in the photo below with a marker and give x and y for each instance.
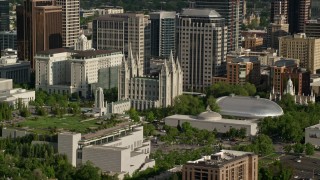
(72, 123)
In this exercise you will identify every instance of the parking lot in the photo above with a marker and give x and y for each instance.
(304, 167)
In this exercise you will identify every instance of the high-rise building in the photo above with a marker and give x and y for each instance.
(162, 33)
(38, 28)
(232, 11)
(70, 21)
(315, 9)
(4, 15)
(279, 8)
(243, 70)
(306, 49)
(8, 39)
(312, 28)
(117, 31)
(202, 47)
(275, 30)
(298, 14)
(226, 164)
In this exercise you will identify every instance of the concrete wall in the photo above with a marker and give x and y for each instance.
(106, 158)
(312, 135)
(68, 145)
(5, 84)
(13, 133)
(221, 127)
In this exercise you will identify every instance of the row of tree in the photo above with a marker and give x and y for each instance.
(5, 111)
(290, 126)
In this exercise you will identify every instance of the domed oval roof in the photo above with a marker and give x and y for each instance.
(248, 107)
(209, 115)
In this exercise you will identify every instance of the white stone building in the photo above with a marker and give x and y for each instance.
(312, 135)
(82, 43)
(13, 96)
(298, 98)
(120, 150)
(149, 91)
(68, 71)
(210, 121)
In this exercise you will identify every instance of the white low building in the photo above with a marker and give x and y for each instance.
(210, 121)
(13, 96)
(312, 135)
(119, 150)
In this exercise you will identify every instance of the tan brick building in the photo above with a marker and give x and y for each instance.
(306, 49)
(224, 165)
(253, 42)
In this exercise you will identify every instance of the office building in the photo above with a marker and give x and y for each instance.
(312, 135)
(109, 10)
(277, 29)
(212, 121)
(162, 33)
(298, 14)
(244, 69)
(149, 91)
(11, 68)
(233, 13)
(120, 150)
(312, 28)
(315, 9)
(70, 21)
(306, 49)
(117, 31)
(253, 42)
(266, 57)
(279, 8)
(13, 95)
(202, 49)
(38, 28)
(4, 15)
(66, 71)
(226, 164)
(8, 40)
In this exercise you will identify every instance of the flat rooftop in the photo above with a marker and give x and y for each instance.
(317, 126)
(105, 147)
(104, 132)
(221, 158)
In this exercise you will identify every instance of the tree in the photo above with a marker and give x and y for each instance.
(150, 117)
(212, 103)
(298, 148)
(309, 149)
(24, 112)
(287, 148)
(187, 104)
(148, 129)
(87, 172)
(264, 144)
(242, 133)
(134, 115)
